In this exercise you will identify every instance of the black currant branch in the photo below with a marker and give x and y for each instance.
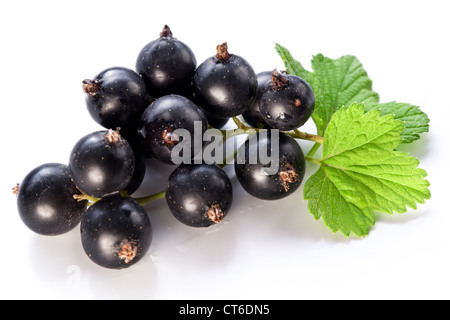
(243, 129)
(226, 134)
(296, 134)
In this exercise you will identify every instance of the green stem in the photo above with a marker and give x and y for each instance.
(228, 134)
(296, 134)
(83, 196)
(314, 149)
(239, 124)
(313, 160)
(146, 200)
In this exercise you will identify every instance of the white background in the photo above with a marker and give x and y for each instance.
(264, 250)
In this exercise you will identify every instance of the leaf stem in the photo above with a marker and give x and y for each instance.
(314, 149)
(313, 160)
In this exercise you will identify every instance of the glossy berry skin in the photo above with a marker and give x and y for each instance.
(199, 195)
(253, 178)
(116, 98)
(102, 163)
(116, 232)
(252, 115)
(162, 118)
(167, 66)
(287, 105)
(224, 87)
(46, 201)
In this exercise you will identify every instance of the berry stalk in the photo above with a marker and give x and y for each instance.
(83, 197)
(146, 200)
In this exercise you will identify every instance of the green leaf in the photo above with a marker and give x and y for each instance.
(342, 82)
(336, 83)
(293, 66)
(328, 201)
(360, 172)
(415, 120)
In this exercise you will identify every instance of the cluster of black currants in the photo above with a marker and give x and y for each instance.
(141, 111)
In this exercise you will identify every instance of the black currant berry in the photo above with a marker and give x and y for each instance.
(102, 163)
(225, 84)
(253, 115)
(116, 98)
(46, 201)
(287, 102)
(162, 118)
(254, 177)
(116, 232)
(167, 66)
(199, 195)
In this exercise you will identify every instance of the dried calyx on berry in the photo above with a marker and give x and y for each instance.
(166, 32)
(288, 175)
(16, 189)
(222, 52)
(113, 137)
(215, 214)
(169, 138)
(128, 251)
(91, 87)
(279, 79)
